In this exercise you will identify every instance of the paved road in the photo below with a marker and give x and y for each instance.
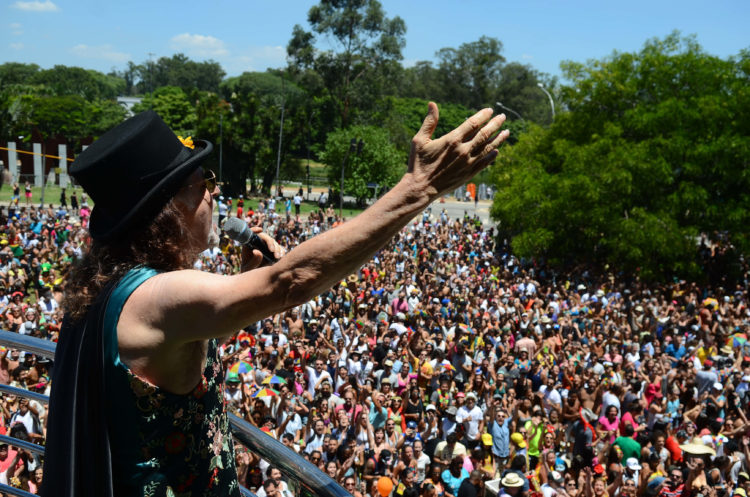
(453, 207)
(458, 209)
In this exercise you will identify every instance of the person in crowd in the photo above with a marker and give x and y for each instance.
(411, 357)
(145, 242)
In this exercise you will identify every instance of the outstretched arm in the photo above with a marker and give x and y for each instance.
(180, 307)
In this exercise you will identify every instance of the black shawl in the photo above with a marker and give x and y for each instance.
(78, 459)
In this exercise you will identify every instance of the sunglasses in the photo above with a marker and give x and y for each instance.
(209, 178)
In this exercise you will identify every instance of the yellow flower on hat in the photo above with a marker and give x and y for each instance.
(188, 142)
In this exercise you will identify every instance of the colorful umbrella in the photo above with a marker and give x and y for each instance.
(241, 367)
(448, 365)
(274, 380)
(265, 392)
(737, 340)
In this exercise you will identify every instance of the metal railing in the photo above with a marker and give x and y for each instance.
(308, 477)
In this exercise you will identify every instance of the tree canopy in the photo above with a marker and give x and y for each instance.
(652, 152)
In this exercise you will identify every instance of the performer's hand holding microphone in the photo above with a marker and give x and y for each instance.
(238, 230)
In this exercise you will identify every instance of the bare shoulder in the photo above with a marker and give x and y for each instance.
(180, 307)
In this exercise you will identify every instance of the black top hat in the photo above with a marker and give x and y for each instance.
(132, 171)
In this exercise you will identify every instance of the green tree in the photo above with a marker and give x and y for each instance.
(470, 73)
(368, 48)
(653, 151)
(402, 117)
(86, 83)
(379, 161)
(180, 70)
(16, 73)
(174, 106)
(518, 89)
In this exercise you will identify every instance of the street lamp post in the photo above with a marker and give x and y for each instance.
(281, 131)
(509, 110)
(551, 102)
(221, 142)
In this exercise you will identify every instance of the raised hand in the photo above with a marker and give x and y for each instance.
(445, 163)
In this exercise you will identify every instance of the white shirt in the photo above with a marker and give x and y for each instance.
(314, 377)
(472, 417)
(550, 397)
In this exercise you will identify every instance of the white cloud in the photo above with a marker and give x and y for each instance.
(256, 59)
(16, 29)
(105, 52)
(16, 46)
(36, 6)
(199, 45)
(527, 56)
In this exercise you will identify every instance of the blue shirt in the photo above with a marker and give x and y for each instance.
(677, 354)
(451, 482)
(377, 418)
(500, 438)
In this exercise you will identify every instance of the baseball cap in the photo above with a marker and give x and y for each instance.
(517, 439)
(633, 464)
(486, 439)
(412, 425)
(429, 408)
(451, 410)
(460, 394)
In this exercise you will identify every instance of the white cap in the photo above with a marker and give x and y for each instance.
(633, 464)
(718, 386)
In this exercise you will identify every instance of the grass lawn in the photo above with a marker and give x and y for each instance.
(305, 209)
(51, 195)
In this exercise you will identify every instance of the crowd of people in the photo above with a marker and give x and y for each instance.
(445, 367)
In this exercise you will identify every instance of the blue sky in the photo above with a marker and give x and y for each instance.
(252, 34)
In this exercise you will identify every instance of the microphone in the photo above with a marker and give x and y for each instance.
(239, 231)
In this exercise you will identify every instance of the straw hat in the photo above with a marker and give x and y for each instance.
(698, 448)
(512, 480)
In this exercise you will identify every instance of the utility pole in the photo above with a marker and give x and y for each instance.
(281, 132)
(221, 142)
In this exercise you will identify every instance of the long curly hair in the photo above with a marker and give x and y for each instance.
(163, 245)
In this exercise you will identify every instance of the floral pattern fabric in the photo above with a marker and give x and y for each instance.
(183, 443)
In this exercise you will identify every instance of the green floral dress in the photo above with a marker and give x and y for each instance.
(164, 444)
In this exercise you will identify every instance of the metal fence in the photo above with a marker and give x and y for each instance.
(308, 480)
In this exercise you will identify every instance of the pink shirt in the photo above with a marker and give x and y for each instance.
(604, 423)
(627, 419)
